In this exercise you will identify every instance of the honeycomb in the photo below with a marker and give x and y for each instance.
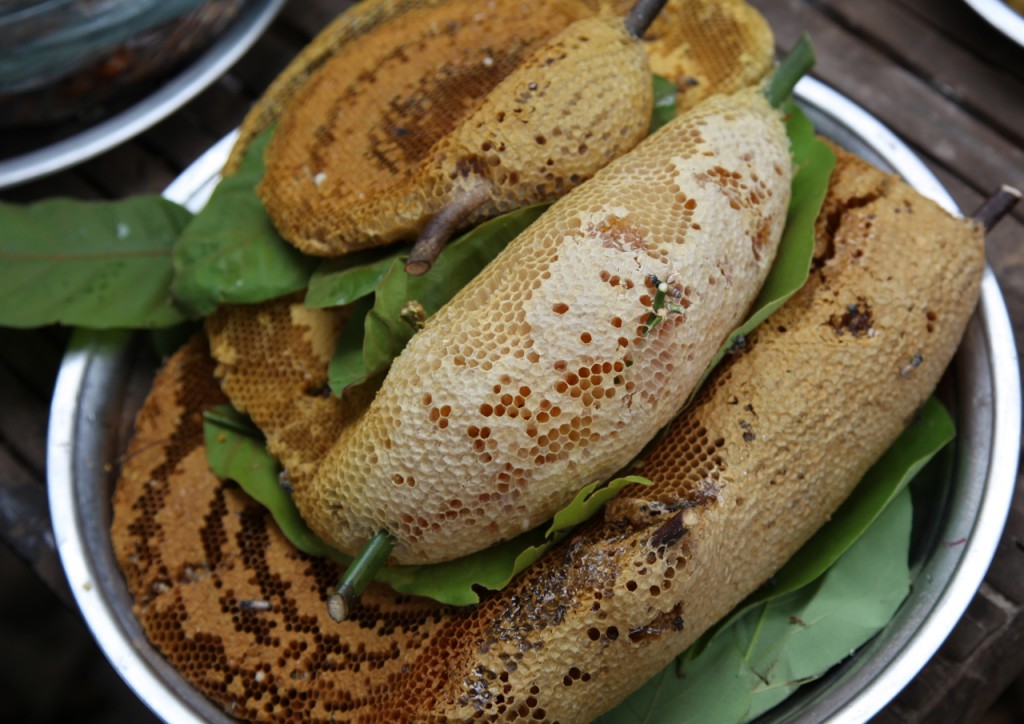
(778, 437)
(539, 378)
(300, 417)
(705, 47)
(399, 108)
(354, 137)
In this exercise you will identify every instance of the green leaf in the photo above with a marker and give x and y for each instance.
(385, 333)
(348, 366)
(795, 639)
(664, 109)
(345, 279)
(455, 582)
(717, 689)
(101, 265)
(235, 449)
(782, 644)
(931, 430)
(589, 500)
(757, 656)
(814, 162)
(231, 252)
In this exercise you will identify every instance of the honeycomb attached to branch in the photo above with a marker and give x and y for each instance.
(379, 128)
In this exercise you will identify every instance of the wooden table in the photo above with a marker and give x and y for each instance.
(933, 71)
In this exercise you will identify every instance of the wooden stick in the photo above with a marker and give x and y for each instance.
(996, 206)
(367, 562)
(445, 223)
(641, 15)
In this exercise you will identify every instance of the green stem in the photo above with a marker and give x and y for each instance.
(792, 68)
(659, 301)
(364, 567)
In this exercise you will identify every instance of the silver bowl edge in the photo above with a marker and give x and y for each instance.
(1001, 17)
(210, 65)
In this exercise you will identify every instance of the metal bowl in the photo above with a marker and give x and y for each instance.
(1001, 17)
(91, 140)
(101, 383)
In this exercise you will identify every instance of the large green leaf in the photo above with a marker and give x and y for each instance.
(231, 251)
(850, 576)
(931, 430)
(235, 450)
(101, 265)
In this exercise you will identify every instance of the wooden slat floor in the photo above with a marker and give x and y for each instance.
(933, 71)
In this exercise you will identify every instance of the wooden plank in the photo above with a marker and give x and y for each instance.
(948, 134)
(129, 170)
(25, 523)
(34, 355)
(267, 58)
(179, 139)
(222, 106)
(952, 692)
(968, 29)
(69, 183)
(992, 93)
(23, 423)
(310, 17)
(1007, 572)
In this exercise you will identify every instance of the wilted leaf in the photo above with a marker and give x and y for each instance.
(231, 252)
(101, 265)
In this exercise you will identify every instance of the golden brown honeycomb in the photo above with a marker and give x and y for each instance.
(400, 107)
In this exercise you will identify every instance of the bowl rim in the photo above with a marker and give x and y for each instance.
(1001, 17)
(243, 31)
(986, 531)
(193, 187)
